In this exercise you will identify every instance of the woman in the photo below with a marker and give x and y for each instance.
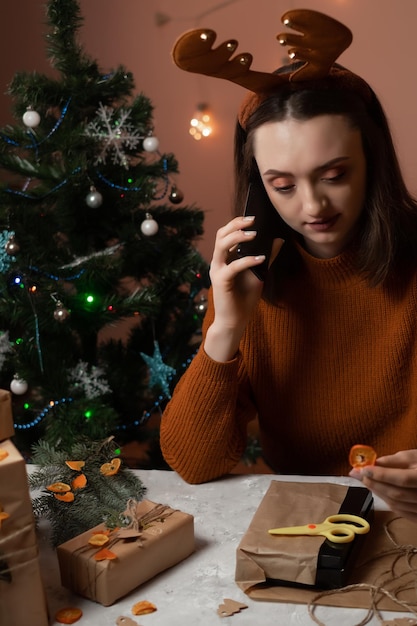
(324, 353)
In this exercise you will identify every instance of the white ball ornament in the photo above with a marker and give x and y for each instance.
(31, 118)
(149, 226)
(151, 144)
(18, 386)
(94, 199)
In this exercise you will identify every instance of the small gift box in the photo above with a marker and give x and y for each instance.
(156, 538)
(6, 415)
(22, 598)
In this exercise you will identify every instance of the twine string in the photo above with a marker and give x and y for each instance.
(377, 589)
(24, 556)
(140, 521)
(28, 560)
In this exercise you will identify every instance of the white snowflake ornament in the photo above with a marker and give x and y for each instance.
(115, 133)
(90, 379)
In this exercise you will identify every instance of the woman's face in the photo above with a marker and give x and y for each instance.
(314, 172)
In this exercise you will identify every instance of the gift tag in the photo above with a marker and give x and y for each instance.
(230, 607)
(126, 621)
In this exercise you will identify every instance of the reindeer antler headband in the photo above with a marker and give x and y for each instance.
(322, 41)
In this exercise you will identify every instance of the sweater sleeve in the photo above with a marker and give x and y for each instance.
(204, 426)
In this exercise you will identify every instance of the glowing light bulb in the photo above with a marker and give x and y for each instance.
(200, 124)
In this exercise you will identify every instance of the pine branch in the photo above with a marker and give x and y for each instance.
(103, 496)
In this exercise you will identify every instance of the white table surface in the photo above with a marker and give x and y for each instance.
(190, 593)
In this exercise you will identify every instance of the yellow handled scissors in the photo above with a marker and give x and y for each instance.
(339, 528)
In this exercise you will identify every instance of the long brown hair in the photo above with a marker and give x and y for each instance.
(388, 234)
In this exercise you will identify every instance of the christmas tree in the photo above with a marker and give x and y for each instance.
(93, 240)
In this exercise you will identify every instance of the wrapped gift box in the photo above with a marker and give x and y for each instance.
(285, 568)
(301, 559)
(6, 415)
(22, 598)
(160, 543)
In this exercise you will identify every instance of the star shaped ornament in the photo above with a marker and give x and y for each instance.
(159, 372)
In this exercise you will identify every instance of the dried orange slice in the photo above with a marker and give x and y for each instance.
(109, 469)
(99, 539)
(59, 487)
(75, 465)
(79, 482)
(68, 615)
(105, 555)
(3, 454)
(361, 456)
(143, 607)
(3, 516)
(65, 497)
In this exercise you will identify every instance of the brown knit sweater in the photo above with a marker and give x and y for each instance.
(333, 364)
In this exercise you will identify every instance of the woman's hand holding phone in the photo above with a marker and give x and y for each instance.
(236, 289)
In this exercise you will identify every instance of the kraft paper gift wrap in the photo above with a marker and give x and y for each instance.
(6, 415)
(22, 598)
(385, 572)
(161, 544)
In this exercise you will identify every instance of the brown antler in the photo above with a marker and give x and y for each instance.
(322, 41)
(193, 52)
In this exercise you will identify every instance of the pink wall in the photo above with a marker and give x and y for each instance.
(125, 32)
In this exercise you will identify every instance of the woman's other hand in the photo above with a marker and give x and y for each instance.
(393, 479)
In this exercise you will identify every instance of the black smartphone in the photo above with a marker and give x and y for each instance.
(267, 223)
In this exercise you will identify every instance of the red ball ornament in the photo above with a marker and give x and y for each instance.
(61, 313)
(176, 196)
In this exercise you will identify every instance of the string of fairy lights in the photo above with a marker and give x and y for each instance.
(54, 404)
